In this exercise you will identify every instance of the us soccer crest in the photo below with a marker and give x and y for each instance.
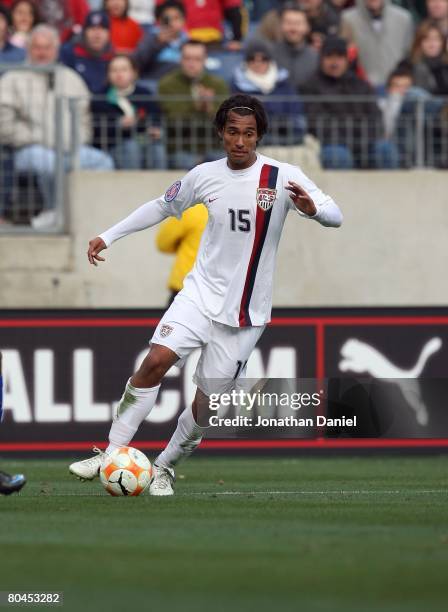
(266, 197)
(165, 330)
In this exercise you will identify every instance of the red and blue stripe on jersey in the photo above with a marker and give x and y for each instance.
(268, 179)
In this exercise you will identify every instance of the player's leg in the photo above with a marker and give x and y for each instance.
(183, 442)
(136, 403)
(222, 362)
(180, 331)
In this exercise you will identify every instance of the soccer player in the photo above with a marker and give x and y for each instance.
(226, 300)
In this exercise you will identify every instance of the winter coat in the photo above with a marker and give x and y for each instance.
(301, 62)
(380, 50)
(91, 67)
(339, 121)
(432, 74)
(28, 103)
(107, 115)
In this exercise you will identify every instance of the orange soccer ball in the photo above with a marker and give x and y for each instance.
(126, 471)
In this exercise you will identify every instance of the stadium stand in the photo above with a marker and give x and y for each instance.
(404, 111)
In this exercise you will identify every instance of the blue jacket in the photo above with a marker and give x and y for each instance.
(288, 121)
(92, 68)
(10, 54)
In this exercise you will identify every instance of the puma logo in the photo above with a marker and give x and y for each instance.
(360, 357)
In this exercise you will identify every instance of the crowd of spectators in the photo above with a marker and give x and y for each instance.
(300, 56)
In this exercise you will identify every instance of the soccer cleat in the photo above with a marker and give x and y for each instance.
(162, 481)
(11, 484)
(89, 468)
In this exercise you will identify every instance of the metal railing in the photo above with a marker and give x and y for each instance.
(349, 132)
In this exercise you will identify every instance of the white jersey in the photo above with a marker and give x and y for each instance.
(232, 279)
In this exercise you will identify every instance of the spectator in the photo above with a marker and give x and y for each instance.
(399, 84)
(269, 27)
(205, 21)
(182, 237)
(9, 53)
(382, 33)
(293, 52)
(189, 120)
(347, 131)
(341, 5)
(403, 100)
(430, 59)
(438, 13)
(259, 9)
(159, 52)
(24, 15)
(126, 123)
(27, 117)
(91, 54)
(142, 11)
(67, 16)
(125, 33)
(259, 75)
(322, 16)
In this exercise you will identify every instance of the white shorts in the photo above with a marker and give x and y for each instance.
(225, 349)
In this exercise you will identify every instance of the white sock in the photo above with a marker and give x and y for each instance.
(134, 407)
(183, 442)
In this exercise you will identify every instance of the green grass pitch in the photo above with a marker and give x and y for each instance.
(241, 534)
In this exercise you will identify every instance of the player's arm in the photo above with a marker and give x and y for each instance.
(180, 196)
(310, 202)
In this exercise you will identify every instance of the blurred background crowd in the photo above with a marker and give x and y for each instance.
(134, 84)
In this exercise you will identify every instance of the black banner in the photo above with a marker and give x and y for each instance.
(64, 371)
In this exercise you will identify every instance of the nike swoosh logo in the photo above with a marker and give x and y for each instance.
(210, 200)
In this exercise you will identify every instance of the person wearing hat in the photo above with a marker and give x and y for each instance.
(9, 53)
(347, 130)
(90, 54)
(259, 75)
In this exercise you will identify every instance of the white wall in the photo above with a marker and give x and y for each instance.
(391, 250)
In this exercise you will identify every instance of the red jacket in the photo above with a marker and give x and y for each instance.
(125, 34)
(208, 13)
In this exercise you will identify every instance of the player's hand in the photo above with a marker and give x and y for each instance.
(301, 199)
(96, 245)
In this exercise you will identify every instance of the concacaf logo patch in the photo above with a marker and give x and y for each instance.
(266, 197)
(165, 330)
(172, 191)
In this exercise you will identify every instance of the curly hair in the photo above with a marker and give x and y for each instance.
(243, 105)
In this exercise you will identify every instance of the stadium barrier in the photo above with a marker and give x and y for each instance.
(64, 372)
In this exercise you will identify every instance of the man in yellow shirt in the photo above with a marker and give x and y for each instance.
(182, 237)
